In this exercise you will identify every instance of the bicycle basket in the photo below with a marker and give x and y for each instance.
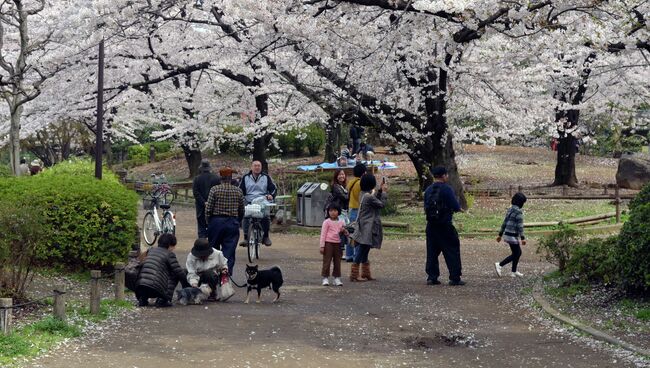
(147, 203)
(253, 210)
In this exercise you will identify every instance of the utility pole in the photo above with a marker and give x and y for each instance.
(99, 133)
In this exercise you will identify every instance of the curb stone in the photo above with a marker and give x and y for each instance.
(596, 334)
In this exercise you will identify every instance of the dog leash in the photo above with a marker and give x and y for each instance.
(239, 286)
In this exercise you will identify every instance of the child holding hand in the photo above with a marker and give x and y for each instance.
(330, 244)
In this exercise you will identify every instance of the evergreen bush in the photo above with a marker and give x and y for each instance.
(633, 251)
(594, 261)
(557, 247)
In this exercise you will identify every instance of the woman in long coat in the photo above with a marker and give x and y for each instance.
(370, 233)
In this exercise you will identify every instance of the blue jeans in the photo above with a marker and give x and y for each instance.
(223, 234)
(350, 250)
(361, 254)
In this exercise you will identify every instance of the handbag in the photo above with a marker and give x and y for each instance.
(353, 227)
(226, 288)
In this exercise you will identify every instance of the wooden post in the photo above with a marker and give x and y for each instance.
(152, 153)
(59, 303)
(5, 315)
(565, 190)
(605, 189)
(510, 191)
(119, 280)
(520, 189)
(617, 201)
(94, 291)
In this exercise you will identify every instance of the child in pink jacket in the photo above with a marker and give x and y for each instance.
(330, 245)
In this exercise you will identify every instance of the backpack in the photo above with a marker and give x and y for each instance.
(433, 207)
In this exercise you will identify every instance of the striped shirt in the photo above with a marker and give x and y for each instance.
(225, 200)
(513, 225)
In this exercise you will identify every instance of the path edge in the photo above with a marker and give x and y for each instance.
(596, 334)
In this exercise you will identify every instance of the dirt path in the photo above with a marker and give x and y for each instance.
(395, 321)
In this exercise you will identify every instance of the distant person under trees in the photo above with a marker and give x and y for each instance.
(201, 186)
(356, 133)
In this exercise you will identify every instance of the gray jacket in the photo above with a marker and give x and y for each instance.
(370, 228)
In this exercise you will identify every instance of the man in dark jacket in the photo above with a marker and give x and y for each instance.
(201, 188)
(356, 133)
(160, 274)
(440, 203)
(253, 185)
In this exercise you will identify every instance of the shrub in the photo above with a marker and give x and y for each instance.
(140, 152)
(557, 247)
(86, 221)
(594, 261)
(634, 247)
(5, 171)
(314, 138)
(391, 206)
(643, 197)
(22, 229)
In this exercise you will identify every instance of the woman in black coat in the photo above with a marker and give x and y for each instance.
(160, 274)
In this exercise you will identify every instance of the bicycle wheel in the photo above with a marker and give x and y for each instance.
(149, 230)
(258, 236)
(253, 242)
(168, 226)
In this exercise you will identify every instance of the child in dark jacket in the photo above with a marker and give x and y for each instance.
(512, 232)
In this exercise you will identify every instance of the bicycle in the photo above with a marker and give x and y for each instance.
(152, 225)
(256, 211)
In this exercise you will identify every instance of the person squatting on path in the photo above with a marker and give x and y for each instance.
(160, 274)
(339, 197)
(225, 210)
(440, 203)
(257, 184)
(205, 265)
(201, 186)
(330, 246)
(354, 192)
(370, 233)
(512, 230)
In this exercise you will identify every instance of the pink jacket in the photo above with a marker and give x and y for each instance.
(330, 232)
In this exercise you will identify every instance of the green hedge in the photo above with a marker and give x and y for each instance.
(594, 261)
(295, 141)
(87, 221)
(140, 153)
(633, 253)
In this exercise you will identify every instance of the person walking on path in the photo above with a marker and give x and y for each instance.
(369, 234)
(205, 265)
(512, 232)
(201, 186)
(225, 210)
(330, 246)
(253, 185)
(160, 274)
(354, 192)
(440, 203)
(356, 133)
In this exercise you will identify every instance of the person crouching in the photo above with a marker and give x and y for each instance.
(205, 265)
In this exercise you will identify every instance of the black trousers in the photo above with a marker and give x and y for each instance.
(443, 238)
(515, 248)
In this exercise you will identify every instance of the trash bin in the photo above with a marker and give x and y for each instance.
(315, 198)
(300, 203)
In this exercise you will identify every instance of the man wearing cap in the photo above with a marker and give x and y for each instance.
(440, 203)
(257, 184)
(224, 211)
(204, 265)
(201, 186)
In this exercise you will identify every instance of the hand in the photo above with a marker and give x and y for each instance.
(224, 271)
(194, 284)
(322, 251)
(523, 242)
(269, 197)
(345, 232)
(498, 239)
(384, 187)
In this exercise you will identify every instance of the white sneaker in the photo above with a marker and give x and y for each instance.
(337, 281)
(326, 282)
(516, 274)
(497, 268)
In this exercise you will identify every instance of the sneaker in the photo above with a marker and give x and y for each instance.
(243, 243)
(516, 274)
(163, 303)
(497, 267)
(456, 283)
(433, 282)
(267, 242)
(337, 281)
(143, 302)
(325, 282)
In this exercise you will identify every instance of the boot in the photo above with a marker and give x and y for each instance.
(365, 272)
(354, 272)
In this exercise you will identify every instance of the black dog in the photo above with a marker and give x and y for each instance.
(271, 278)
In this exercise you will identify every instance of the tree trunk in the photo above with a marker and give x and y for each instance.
(193, 158)
(14, 138)
(333, 131)
(565, 168)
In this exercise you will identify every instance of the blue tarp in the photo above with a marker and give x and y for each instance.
(327, 165)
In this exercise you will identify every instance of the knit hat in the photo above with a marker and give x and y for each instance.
(201, 248)
(439, 171)
(205, 166)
